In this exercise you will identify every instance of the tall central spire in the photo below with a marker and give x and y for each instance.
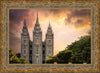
(24, 22)
(49, 27)
(37, 21)
(49, 24)
(37, 25)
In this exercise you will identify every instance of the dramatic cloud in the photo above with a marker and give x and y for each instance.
(67, 24)
(15, 42)
(79, 18)
(16, 23)
(81, 12)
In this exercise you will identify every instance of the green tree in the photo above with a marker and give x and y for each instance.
(65, 56)
(77, 52)
(11, 53)
(13, 59)
(23, 61)
(52, 59)
(18, 55)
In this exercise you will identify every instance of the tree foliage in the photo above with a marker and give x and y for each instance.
(77, 52)
(18, 55)
(13, 59)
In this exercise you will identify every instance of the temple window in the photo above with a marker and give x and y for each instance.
(37, 41)
(24, 51)
(24, 41)
(25, 46)
(49, 41)
(37, 49)
(37, 59)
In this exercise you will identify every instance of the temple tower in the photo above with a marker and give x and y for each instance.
(25, 42)
(49, 41)
(37, 43)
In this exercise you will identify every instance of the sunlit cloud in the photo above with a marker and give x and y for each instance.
(67, 25)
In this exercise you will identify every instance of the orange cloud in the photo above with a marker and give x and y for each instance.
(67, 25)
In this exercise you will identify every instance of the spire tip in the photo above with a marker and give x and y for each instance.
(37, 21)
(24, 22)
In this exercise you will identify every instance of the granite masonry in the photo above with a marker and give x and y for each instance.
(36, 51)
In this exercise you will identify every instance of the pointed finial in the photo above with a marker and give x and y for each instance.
(37, 13)
(49, 28)
(37, 21)
(24, 22)
(49, 22)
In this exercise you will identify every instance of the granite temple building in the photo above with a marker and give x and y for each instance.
(36, 51)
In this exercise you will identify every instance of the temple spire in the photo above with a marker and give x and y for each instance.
(24, 22)
(37, 25)
(49, 27)
(25, 30)
(49, 30)
(37, 20)
(49, 23)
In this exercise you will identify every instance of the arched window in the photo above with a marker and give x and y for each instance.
(37, 41)
(37, 59)
(24, 51)
(25, 46)
(49, 41)
(37, 49)
(24, 41)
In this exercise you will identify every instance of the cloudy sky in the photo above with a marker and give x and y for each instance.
(67, 25)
